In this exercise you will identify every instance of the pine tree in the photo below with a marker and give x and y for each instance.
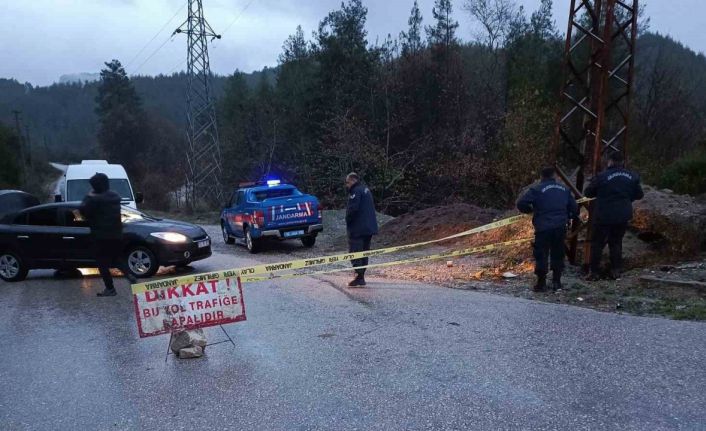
(444, 31)
(294, 48)
(237, 118)
(345, 65)
(295, 94)
(412, 40)
(122, 130)
(542, 22)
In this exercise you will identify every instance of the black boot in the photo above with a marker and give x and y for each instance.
(358, 281)
(541, 285)
(107, 292)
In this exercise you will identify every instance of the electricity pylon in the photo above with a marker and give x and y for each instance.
(599, 72)
(204, 152)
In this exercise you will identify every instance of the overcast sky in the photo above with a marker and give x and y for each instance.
(43, 39)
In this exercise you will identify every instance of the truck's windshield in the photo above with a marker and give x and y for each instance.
(261, 195)
(76, 190)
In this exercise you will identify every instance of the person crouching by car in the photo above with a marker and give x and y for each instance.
(361, 223)
(101, 209)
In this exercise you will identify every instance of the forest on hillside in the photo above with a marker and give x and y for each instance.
(425, 117)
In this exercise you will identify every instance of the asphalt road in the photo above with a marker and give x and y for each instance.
(315, 355)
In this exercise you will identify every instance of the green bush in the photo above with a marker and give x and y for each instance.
(687, 175)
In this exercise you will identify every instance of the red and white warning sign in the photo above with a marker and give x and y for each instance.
(191, 302)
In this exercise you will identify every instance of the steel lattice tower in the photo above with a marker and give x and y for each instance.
(595, 95)
(204, 151)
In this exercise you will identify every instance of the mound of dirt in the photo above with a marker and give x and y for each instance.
(666, 228)
(675, 222)
(433, 223)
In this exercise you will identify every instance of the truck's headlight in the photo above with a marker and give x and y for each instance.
(170, 236)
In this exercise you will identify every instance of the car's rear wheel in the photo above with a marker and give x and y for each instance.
(226, 236)
(309, 241)
(251, 243)
(11, 267)
(141, 262)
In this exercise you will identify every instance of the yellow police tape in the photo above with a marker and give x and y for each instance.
(250, 273)
(444, 255)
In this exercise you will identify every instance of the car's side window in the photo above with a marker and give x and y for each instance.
(21, 219)
(43, 217)
(233, 199)
(72, 218)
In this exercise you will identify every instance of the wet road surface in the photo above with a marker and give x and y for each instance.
(314, 355)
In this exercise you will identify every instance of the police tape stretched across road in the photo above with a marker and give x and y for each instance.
(255, 270)
(444, 255)
(250, 273)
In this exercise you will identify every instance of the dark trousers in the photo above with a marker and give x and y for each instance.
(611, 234)
(108, 256)
(549, 243)
(359, 243)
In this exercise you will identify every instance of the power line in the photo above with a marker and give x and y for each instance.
(155, 35)
(170, 38)
(174, 69)
(237, 17)
(215, 44)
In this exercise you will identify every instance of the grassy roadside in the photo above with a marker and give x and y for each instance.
(630, 294)
(634, 296)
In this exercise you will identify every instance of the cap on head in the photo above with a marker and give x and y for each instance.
(548, 173)
(353, 177)
(99, 182)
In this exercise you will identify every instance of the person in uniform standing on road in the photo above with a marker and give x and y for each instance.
(361, 223)
(614, 189)
(101, 209)
(552, 206)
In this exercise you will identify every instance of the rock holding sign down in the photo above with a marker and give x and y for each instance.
(191, 352)
(188, 344)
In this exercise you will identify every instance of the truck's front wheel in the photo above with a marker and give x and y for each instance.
(251, 243)
(226, 236)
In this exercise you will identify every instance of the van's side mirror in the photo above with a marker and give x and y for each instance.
(139, 197)
(57, 198)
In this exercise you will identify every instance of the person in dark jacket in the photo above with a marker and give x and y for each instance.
(361, 223)
(552, 206)
(101, 209)
(614, 189)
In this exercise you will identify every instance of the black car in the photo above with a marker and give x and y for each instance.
(56, 236)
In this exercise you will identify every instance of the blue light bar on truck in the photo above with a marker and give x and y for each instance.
(272, 182)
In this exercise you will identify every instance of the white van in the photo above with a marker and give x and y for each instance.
(75, 186)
